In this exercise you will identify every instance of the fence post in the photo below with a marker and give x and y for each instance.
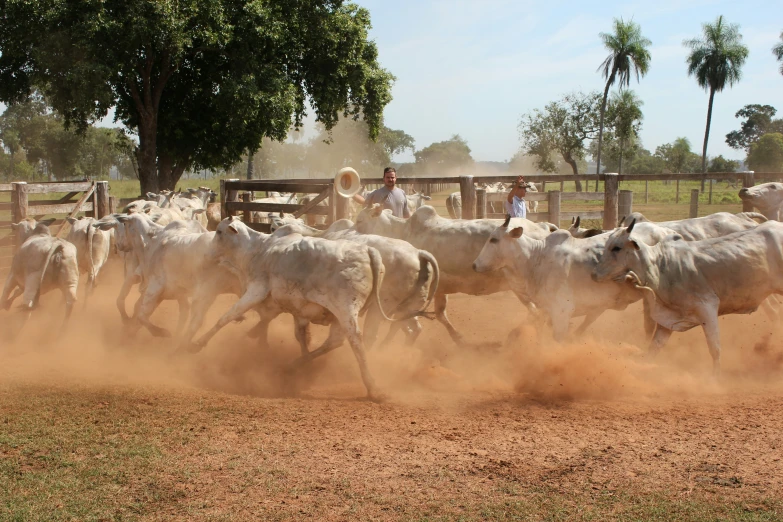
(747, 182)
(481, 203)
(624, 204)
(247, 215)
(102, 198)
(225, 197)
(677, 195)
(18, 206)
(113, 204)
(646, 191)
(712, 182)
(554, 207)
(694, 203)
(610, 201)
(467, 190)
(333, 197)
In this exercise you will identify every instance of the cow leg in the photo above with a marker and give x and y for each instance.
(184, 313)
(302, 334)
(11, 285)
(147, 303)
(371, 324)
(712, 333)
(350, 326)
(127, 284)
(334, 341)
(201, 304)
(441, 300)
(590, 318)
(659, 339)
(414, 327)
(252, 298)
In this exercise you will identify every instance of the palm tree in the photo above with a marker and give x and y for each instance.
(625, 113)
(778, 52)
(715, 59)
(627, 53)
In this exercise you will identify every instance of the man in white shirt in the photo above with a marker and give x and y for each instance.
(515, 202)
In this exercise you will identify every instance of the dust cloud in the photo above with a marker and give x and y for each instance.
(610, 363)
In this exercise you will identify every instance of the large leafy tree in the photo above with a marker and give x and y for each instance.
(199, 81)
(758, 121)
(766, 155)
(563, 127)
(628, 54)
(716, 60)
(676, 155)
(721, 164)
(444, 156)
(778, 52)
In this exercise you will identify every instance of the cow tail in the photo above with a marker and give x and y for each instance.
(761, 218)
(376, 263)
(426, 258)
(56, 247)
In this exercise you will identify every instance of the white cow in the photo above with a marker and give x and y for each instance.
(557, 271)
(767, 197)
(714, 225)
(42, 263)
(314, 279)
(454, 205)
(92, 248)
(410, 282)
(455, 244)
(416, 200)
(29, 226)
(580, 233)
(691, 283)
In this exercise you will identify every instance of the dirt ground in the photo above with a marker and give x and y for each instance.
(475, 433)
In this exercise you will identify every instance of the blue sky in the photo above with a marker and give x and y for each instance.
(474, 67)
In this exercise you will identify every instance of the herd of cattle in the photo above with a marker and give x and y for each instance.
(686, 272)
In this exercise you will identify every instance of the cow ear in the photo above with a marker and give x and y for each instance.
(578, 220)
(48, 221)
(197, 211)
(233, 228)
(516, 233)
(377, 210)
(634, 244)
(71, 220)
(15, 225)
(427, 197)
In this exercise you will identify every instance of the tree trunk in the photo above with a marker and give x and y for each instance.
(250, 164)
(706, 137)
(575, 168)
(12, 165)
(601, 128)
(148, 171)
(620, 167)
(170, 171)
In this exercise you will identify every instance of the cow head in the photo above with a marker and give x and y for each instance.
(622, 254)
(767, 197)
(496, 252)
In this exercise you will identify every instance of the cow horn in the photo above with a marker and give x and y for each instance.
(507, 221)
(578, 220)
(630, 227)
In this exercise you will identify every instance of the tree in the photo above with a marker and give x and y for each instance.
(778, 52)
(721, 164)
(625, 114)
(443, 156)
(766, 155)
(200, 82)
(563, 127)
(758, 121)
(646, 163)
(675, 155)
(715, 60)
(627, 53)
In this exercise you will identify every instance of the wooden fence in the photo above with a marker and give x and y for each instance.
(92, 199)
(611, 203)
